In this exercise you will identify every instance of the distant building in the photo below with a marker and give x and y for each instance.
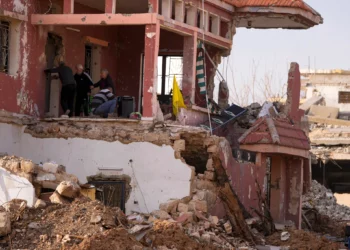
(332, 85)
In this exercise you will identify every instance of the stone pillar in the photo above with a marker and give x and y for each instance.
(293, 94)
(189, 68)
(110, 6)
(294, 190)
(152, 34)
(68, 6)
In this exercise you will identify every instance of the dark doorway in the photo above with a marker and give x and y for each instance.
(88, 59)
(53, 51)
(111, 193)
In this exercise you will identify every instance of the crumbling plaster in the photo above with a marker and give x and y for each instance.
(156, 176)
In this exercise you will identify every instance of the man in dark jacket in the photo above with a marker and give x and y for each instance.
(105, 82)
(84, 83)
(66, 76)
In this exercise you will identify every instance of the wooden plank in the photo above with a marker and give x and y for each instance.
(96, 41)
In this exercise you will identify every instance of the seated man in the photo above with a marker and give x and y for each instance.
(104, 103)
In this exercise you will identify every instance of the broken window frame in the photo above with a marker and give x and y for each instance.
(344, 97)
(166, 74)
(4, 46)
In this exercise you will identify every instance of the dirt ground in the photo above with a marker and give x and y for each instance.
(116, 239)
(45, 228)
(70, 227)
(302, 240)
(170, 235)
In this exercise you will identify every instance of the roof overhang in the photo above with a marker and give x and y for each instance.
(276, 17)
(276, 149)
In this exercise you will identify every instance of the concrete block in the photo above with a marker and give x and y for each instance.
(184, 218)
(214, 220)
(182, 208)
(212, 149)
(209, 175)
(40, 204)
(198, 205)
(170, 206)
(27, 166)
(54, 168)
(56, 198)
(179, 145)
(68, 189)
(324, 111)
(160, 214)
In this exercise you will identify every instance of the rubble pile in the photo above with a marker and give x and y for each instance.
(49, 175)
(322, 199)
(81, 224)
(189, 217)
(247, 120)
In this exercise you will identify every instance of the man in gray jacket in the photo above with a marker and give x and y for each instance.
(66, 76)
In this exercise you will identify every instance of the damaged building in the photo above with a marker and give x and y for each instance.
(327, 107)
(148, 163)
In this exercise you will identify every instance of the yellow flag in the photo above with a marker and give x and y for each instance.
(178, 100)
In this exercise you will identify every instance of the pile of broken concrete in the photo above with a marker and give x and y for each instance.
(188, 215)
(322, 199)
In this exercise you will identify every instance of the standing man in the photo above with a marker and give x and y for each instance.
(104, 103)
(66, 76)
(84, 83)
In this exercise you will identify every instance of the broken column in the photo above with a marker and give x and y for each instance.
(189, 68)
(293, 94)
(152, 35)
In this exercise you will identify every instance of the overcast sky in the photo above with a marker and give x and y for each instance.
(271, 51)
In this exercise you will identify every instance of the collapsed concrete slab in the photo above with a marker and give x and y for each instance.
(15, 187)
(324, 111)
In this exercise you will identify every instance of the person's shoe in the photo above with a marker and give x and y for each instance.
(64, 116)
(67, 112)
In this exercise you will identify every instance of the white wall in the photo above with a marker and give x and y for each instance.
(329, 86)
(156, 175)
(330, 95)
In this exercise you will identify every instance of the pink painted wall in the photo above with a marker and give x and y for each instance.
(243, 176)
(25, 92)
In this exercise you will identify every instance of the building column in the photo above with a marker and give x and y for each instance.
(152, 35)
(68, 6)
(294, 190)
(189, 69)
(153, 6)
(110, 6)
